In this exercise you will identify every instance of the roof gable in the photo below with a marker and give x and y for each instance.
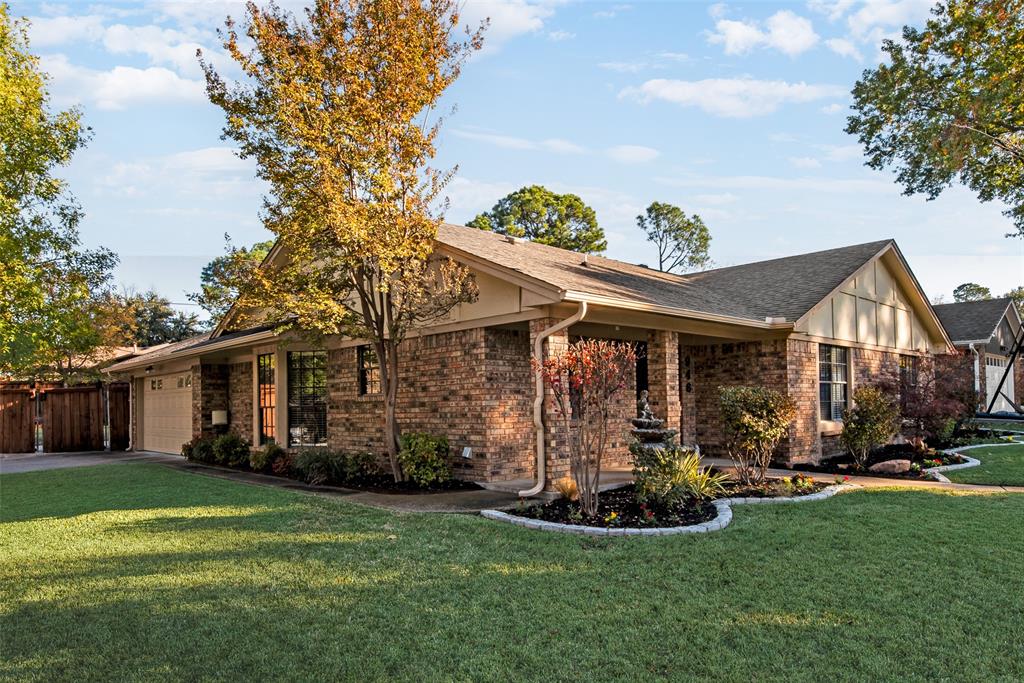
(973, 321)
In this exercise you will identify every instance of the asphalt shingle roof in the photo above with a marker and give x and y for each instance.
(971, 320)
(779, 288)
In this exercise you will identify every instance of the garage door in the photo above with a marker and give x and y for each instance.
(167, 412)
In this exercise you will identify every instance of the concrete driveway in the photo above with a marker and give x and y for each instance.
(34, 462)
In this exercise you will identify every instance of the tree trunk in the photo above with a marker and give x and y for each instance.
(389, 378)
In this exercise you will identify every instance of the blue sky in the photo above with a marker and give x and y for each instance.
(733, 111)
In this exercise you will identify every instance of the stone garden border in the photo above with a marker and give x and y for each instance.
(971, 462)
(721, 520)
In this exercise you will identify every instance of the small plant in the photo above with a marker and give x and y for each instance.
(929, 463)
(648, 515)
(915, 467)
(612, 519)
(667, 476)
(755, 419)
(801, 483)
(198, 450)
(230, 449)
(283, 465)
(263, 459)
(424, 459)
(567, 487)
(874, 419)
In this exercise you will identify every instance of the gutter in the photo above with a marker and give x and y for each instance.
(538, 401)
(767, 324)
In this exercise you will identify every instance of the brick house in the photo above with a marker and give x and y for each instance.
(813, 326)
(988, 330)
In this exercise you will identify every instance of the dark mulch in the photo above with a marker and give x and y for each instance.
(844, 464)
(627, 509)
(771, 489)
(385, 483)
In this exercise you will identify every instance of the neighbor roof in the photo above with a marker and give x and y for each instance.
(972, 321)
(779, 288)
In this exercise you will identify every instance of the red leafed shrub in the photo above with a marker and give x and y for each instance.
(938, 396)
(584, 380)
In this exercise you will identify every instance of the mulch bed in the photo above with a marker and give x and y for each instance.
(627, 512)
(771, 489)
(844, 464)
(385, 483)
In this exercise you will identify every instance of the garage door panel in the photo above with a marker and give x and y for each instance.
(167, 412)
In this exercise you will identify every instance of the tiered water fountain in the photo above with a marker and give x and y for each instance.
(647, 429)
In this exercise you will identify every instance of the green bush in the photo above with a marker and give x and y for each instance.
(358, 465)
(198, 450)
(319, 466)
(263, 459)
(230, 449)
(755, 420)
(873, 420)
(670, 475)
(424, 459)
(283, 465)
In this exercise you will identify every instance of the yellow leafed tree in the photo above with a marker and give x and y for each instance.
(338, 108)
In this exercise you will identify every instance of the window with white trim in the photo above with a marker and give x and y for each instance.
(833, 381)
(307, 398)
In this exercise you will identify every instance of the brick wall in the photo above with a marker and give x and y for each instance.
(804, 443)
(240, 393)
(472, 386)
(209, 393)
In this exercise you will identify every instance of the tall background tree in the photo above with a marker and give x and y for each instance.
(682, 240)
(970, 291)
(338, 109)
(540, 215)
(149, 319)
(949, 107)
(218, 289)
(51, 289)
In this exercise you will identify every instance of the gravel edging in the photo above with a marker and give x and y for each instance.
(721, 520)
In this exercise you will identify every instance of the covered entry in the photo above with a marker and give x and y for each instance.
(167, 412)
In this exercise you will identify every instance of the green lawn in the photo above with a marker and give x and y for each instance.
(132, 572)
(1003, 465)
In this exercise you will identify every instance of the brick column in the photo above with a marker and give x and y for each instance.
(663, 376)
(687, 398)
(804, 441)
(555, 440)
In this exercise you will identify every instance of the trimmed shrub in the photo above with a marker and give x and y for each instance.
(231, 449)
(424, 459)
(263, 459)
(283, 465)
(670, 475)
(356, 465)
(198, 450)
(755, 420)
(873, 420)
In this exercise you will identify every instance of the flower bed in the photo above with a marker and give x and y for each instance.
(920, 462)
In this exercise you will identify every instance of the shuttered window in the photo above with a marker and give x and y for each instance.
(833, 378)
(266, 390)
(307, 398)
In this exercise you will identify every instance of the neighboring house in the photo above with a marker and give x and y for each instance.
(813, 326)
(988, 329)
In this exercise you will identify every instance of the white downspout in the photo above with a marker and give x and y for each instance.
(538, 401)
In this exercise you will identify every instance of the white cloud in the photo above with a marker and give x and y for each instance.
(164, 46)
(206, 172)
(632, 154)
(612, 11)
(841, 152)
(844, 48)
(834, 9)
(718, 10)
(508, 19)
(511, 142)
(121, 86)
(805, 162)
(558, 36)
(716, 199)
(58, 30)
(674, 56)
(784, 31)
(875, 16)
(731, 97)
(833, 108)
(625, 67)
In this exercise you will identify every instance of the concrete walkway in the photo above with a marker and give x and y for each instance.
(454, 501)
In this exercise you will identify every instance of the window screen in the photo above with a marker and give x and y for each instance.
(307, 398)
(833, 371)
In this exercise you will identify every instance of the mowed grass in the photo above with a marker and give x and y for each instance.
(1000, 465)
(136, 572)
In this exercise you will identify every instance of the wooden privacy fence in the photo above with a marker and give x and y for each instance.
(17, 427)
(73, 420)
(117, 410)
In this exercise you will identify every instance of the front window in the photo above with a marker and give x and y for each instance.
(307, 398)
(369, 371)
(909, 369)
(833, 374)
(266, 390)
